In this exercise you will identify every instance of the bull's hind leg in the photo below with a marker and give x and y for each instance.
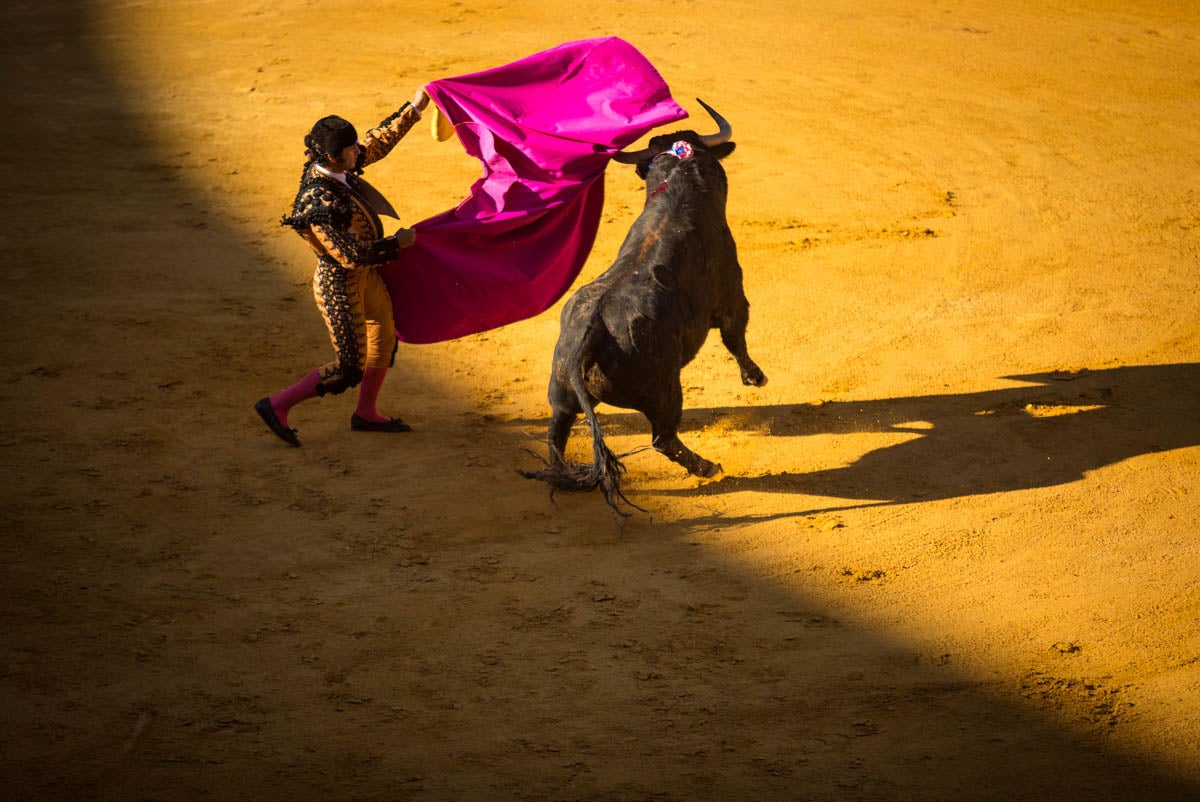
(733, 334)
(565, 407)
(665, 415)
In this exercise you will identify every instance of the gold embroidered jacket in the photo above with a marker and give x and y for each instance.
(341, 223)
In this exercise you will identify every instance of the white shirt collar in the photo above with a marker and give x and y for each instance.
(331, 174)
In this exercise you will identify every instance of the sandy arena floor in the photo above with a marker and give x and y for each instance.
(953, 554)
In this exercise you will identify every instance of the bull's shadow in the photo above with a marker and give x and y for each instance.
(1049, 431)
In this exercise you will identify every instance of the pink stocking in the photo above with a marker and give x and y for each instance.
(368, 395)
(302, 390)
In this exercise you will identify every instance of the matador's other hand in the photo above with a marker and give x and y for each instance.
(405, 237)
(421, 99)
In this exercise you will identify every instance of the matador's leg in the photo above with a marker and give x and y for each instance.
(380, 334)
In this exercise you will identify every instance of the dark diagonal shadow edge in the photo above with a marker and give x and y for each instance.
(43, 755)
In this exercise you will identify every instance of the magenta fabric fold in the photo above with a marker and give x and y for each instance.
(544, 128)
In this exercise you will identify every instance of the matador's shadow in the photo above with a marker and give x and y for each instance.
(1048, 432)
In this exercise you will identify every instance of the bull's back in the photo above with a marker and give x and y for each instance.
(650, 312)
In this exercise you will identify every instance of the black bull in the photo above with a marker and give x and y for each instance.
(625, 337)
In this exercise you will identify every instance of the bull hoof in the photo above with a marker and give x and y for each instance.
(706, 469)
(755, 379)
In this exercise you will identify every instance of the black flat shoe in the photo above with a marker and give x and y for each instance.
(267, 412)
(390, 425)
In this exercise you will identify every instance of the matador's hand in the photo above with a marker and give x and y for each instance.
(421, 99)
(405, 237)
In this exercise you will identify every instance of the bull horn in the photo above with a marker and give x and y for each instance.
(724, 134)
(621, 157)
(724, 129)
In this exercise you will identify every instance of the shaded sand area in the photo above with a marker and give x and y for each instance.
(953, 554)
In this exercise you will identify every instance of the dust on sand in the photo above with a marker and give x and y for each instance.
(953, 554)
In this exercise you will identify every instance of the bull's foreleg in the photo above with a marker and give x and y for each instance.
(733, 334)
(664, 427)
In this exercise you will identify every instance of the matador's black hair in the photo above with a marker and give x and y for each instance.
(329, 136)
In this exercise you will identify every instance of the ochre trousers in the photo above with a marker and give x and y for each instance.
(358, 311)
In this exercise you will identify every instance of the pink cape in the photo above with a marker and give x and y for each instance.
(544, 128)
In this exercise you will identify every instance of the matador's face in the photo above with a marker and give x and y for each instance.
(346, 160)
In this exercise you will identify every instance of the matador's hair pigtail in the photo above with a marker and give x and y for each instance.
(329, 136)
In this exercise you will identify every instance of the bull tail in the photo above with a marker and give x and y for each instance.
(606, 468)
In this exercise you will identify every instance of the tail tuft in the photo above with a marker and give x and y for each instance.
(606, 469)
(576, 477)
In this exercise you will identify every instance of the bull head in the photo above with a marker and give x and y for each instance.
(724, 134)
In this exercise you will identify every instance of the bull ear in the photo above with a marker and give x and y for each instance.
(722, 150)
